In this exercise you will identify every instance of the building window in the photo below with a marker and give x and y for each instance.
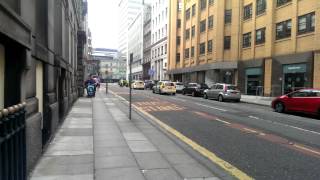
(210, 2)
(161, 50)
(247, 12)
(178, 57)
(188, 14)
(193, 10)
(261, 6)
(192, 51)
(227, 42)
(210, 22)
(202, 26)
(155, 55)
(246, 42)
(179, 23)
(306, 23)
(186, 53)
(203, 4)
(193, 31)
(227, 16)
(202, 48)
(158, 51)
(283, 29)
(209, 46)
(282, 2)
(165, 48)
(188, 34)
(178, 40)
(260, 36)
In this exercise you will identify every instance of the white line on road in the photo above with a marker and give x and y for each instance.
(211, 107)
(217, 119)
(253, 117)
(304, 130)
(178, 99)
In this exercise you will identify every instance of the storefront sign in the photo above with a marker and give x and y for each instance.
(253, 71)
(294, 68)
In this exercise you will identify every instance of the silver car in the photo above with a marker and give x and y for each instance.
(223, 92)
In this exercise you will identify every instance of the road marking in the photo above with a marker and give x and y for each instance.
(250, 130)
(178, 99)
(210, 155)
(306, 149)
(217, 119)
(253, 117)
(211, 107)
(314, 132)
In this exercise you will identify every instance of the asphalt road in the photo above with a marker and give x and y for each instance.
(263, 144)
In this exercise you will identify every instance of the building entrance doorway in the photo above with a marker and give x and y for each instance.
(294, 77)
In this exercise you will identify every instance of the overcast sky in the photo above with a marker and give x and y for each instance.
(103, 23)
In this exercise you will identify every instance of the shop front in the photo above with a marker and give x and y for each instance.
(294, 77)
(253, 81)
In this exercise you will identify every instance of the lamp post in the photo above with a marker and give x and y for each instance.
(130, 81)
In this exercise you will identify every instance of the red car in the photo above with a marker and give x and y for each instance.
(304, 100)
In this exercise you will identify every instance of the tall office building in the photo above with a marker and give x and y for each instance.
(265, 47)
(127, 13)
(159, 27)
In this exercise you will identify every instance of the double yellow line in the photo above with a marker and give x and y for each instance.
(203, 151)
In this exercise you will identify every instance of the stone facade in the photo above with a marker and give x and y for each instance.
(41, 60)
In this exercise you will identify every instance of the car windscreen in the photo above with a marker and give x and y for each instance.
(231, 87)
(169, 84)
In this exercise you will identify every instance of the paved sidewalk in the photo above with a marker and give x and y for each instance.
(259, 100)
(98, 141)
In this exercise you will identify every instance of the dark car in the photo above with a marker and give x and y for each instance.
(305, 101)
(148, 84)
(194, 89)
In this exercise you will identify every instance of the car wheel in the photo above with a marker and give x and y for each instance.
(173, 94)
(279, 107)
(193, 94)
(153, 91)
(237, 100)
(184, 93)
(220, 98)
(205, 96)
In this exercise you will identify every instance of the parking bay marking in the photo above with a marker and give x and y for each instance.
(212, 107)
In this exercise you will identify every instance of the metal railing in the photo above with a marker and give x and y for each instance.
(13, 143)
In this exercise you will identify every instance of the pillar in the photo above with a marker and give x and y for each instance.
(268, 77)
(316, 70)
(2, 66)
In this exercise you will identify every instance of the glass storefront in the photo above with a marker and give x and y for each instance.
(254, 81)
(294, 77)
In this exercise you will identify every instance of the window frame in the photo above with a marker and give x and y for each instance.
(210, 22)
(203, 4)
(261, 8)
(193, 13)
(227, 46)
(210, 2)
(285, 32)
(188, 14)
(192, 51)
(283, 2)
(187, 36)
(246, 40)
(203, 25)
(263, 36)
(202, 48)
(193, 31)
(247, 12)
(187, 53)
(209, 46)
(228, 16)
(309, 28)
(178, 23)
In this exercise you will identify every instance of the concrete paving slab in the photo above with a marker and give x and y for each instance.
(131, 173)
(179, 158)
(66, 177)
(194, 170)
(111, 151)
(161, 174)
(54, 170)
(151, 160)
(141, 146)
(134, 136)
(75, 132)
(120, 161)
(110, 143)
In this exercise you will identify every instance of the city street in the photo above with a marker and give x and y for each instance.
(252, 138)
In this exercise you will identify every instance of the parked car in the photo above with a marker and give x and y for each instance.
(164, 87)
(305, 101)
(223, 92)
(137, 84)
(148, 84)
(179, 87)
(194, 89)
